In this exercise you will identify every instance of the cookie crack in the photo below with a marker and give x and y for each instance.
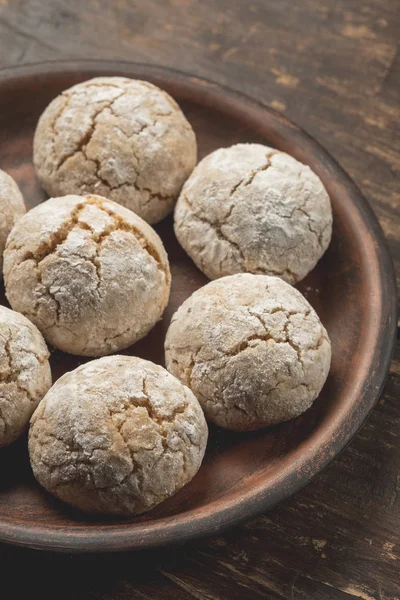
(47, 248)
(248, 342)
(87, 136)
(56, 239)
(318, 235)
(302, 209)
(82, 458)
(121, 225)
(160, 197)
(287, 274)
(53, 127)
(144, 402)
(245, 344)
(216, 227)
(50, 246)
(247, 180)
(13, 374)
(153, 414)
(133, 184)
(292, 344)
(253, 174)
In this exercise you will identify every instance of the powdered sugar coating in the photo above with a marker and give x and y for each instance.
(116, 137)
(250, 208)
(12, 207)
(118, 435)
(25, 374)
(92, 275)
(252, 350)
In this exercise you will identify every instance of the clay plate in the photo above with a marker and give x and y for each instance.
(352, 289)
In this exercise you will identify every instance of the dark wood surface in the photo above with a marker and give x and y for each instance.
(334, 68)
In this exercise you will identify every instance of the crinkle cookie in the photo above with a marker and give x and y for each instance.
(250, 208)
(12, 207)
(25, 374)
(252, 350)
(117, 436)
(93, 276)
(116, 137)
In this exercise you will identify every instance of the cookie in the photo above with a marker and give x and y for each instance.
(25, 374)
(117, 436)
(120, 138)
(252, 350)
(12, 207)
(93, 276)
(253, 209)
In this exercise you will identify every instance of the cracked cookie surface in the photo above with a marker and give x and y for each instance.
(250, 208)
(251, 348)
(92, 275)
(120, 138)
(12, 207)
(118, 435)
(25, 374)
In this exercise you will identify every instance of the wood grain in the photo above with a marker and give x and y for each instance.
(334, 68)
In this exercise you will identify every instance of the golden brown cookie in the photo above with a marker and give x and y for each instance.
(93, 276)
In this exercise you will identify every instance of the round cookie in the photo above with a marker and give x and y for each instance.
(25, 374)
(117, 436)
(250, 208)
(12, 207)
(252, 350)
(120, 138)
(92, 275)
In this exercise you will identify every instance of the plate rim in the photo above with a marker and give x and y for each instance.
(114, 537)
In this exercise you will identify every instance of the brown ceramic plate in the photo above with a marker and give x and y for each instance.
(352, 289)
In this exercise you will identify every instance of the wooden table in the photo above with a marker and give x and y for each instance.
(333, 67)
